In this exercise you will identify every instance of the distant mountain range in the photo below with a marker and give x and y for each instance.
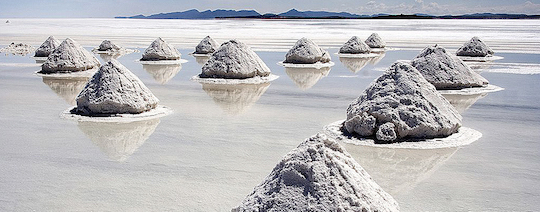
(295, 14)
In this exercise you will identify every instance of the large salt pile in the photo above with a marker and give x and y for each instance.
(401, 104)
(306, 51)
(474, 48)
(47, 47)
(234, 60)
(355, 46)
(375, 41)
(114, 90)
(206, 46)
(69, 56)
(319, 175)
(108, 46)
(445, 72)
(160, 50)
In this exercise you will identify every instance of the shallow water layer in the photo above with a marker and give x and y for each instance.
(221, 142)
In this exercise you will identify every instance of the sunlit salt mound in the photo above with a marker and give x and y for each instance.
(160, 50)
(47, 47)
(401, 104)
(109, 46)
(319, 175)
(445, 72)
(234, 60)
(206, 46)
(114, 90)
(355, 46)
(306, 51)
(69, 56)
(375, 41)
(474, 48)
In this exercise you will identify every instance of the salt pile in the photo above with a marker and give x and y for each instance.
(319, 175)
(234, 60)
(21, 49)
(399, 105)
(69, 56)
(114, 90)
(160, 50)
(375, 41)
(355, 46)
(445, 72)
(306, 51)
(47, 47)
(474, 48)
(108, 46)
(206, 46)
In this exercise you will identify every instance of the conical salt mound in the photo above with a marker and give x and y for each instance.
(69, 56)
(47, 47)
(206, 46)
(401, 104)
(319, 175)
(375, 41)
(474, 48)
(445, 72)
(306, 51)
(115, 90)
(160, 50)
(234, 60)
(107, 45)
(354, 46)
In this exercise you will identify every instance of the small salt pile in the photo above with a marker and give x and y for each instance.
(160, 50)
(355, 46)
(206, 46)
(69, 56)
(375, 41)
(47, 47)
(474, 48)
(305, 51)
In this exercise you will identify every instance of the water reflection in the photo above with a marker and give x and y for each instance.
(119, 140)
(357, 64)
(66, 88)
(162, 73)
(305, 78)
(108, 56)
(399, 170)
(201, 60)
(463, 102)
(479, 66)
(235, 99)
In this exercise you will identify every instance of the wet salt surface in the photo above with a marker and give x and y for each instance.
(220, 143)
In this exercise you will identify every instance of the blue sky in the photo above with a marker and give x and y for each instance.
(111, 8)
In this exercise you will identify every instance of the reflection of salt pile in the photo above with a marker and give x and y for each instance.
(47, 47)
(119, 140)
(109, 56)
(160, 50)
(108, 46)
(234, 60)
(206, 46)
(21, 49)
(444, 71)
(69, 56)
(474, 48)
(305, 51)
(319, 175)
(306, 78)
(201, 60)
(115, 90)
(354, 46)
(375, 41)
(357, 64)
(68, 89)
(235, 99)
(463, 102)
(162, 73)
(399, 170)
(401, 104)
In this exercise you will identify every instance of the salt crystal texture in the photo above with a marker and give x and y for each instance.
(306, 51)
(474, 48)
(206, 46)
(107, 45)
(47, 47)
(401, 104)
(319, 175)
(160, 50)
(69, 56)
(115, 90)
(375, 41)
(355, 46)
(234, 60)
(444, 71)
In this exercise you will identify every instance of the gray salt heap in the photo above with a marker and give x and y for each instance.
(47, 47)
(114, 90)
(69, 56)
(355, 46)
(319, 175)
(160, 50)
(306, 51)
(401, 104)
(107, 45)
(234, 60)
(206, 46)
(375, 41)
(474, 48)
(444, 71)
